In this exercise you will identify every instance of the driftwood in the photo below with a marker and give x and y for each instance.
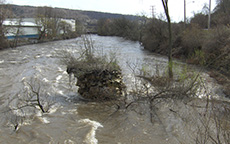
(97, 83)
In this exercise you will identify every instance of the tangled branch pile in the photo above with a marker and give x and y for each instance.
(98, 78)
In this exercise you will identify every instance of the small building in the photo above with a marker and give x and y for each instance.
(20, 28)
(27, 28)
(71, 22)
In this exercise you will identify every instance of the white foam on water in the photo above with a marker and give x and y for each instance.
(38, 56)
(69, 141)
(44, 120)
(13, 62)
(63, 113)
(61, 92)
(24, 78)
(74, 111)
(48, 55)
(58, 77)
(39, 113)
(91, 136)
(27, 122)
(53, 108)
(37, 68)
(45, 80)
(2, 61)
(60, 70)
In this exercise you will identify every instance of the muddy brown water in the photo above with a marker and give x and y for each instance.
(71, 121)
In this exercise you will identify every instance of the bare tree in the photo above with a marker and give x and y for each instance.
(65, 28)
(153, 89)
(13, 120)
(26, 103)
(4, 13)
(214, 124)
(47, 18)
(18, 31)
(170, 65)
(34, 96)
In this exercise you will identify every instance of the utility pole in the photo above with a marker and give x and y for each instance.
(185, 13)
(209, 15)
(185, 19)
(153, 11)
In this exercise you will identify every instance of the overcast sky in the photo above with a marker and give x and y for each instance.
(176, 7)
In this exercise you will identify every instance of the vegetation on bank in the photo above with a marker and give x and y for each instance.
(121, 27)
(205, 121)
(4, 13)
(52, 25)
(51, 20)
(100, 78)
(194, 43)
(49, 27)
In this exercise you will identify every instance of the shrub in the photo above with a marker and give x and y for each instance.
(3, 43)
(104, 27)
(192, 39)
(158, 86)
(121, 27)
(99, 78)
(155, 36)
(200, 19)
(217, 49)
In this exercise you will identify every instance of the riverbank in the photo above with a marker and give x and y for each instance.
(208, 49)
(24, 42)
(173, 121)
(221, 78)
(193, 44)
(219, 73)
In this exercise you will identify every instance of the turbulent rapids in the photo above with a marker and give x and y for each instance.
(33, 72)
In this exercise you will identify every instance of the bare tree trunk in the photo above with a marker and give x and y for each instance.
(5, 12)
(170, 64)
(184, 13)
(209, 15)
(3, 42)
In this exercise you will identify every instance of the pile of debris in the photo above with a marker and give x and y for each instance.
(97, 80)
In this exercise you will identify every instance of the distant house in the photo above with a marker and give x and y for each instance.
(24, 28)
(72, 24)
(27, 28)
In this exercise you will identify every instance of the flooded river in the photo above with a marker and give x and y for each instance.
(70, 120)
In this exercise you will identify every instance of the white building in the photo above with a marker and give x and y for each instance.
(71, 22)
(21, 28)
(27, 28)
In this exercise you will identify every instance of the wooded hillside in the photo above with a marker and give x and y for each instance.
(30, 11)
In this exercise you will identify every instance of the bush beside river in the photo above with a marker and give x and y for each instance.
(192, 43)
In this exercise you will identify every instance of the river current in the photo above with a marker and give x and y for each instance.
(70, 120)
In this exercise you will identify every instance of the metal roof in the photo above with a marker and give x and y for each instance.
(16, 23)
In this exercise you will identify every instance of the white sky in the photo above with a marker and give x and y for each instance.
(176, 7)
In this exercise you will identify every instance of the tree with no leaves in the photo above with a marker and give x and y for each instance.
(170, 64)
(4, 13)
(47, 18)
